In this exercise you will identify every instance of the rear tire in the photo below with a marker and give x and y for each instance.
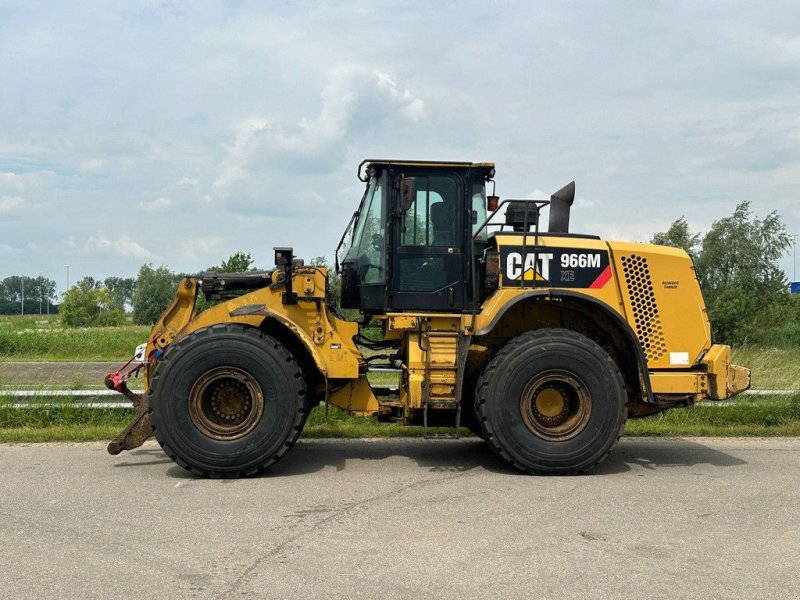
(227, 401)
(552, 401)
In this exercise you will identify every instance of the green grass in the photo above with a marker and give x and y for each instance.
(772, 368)
(745, 416)
(37, 339)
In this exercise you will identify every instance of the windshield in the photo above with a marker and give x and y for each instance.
(366, 245)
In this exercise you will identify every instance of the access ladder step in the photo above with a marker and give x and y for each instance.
(429, 435)
(443, 403)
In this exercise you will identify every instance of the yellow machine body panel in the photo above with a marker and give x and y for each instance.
(328, 339)
(663, 303)
(654, 289)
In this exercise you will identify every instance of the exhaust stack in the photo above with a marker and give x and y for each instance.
(560, 203)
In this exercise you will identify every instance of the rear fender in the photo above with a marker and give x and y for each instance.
(618, 321)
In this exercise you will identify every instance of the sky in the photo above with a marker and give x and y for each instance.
(179, 133)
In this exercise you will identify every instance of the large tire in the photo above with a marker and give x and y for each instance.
(552, 401)
(227, 401)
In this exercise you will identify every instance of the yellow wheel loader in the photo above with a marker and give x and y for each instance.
(542, 343)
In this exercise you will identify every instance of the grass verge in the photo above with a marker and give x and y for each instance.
(43, 338)
(746, 417)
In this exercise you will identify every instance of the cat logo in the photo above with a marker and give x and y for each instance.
(515, 269)
(555, 267)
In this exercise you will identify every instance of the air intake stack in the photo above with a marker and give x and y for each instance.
(560, 203)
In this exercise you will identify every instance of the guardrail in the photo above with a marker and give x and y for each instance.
(85, 398)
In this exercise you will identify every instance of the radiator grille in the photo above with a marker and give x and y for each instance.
(645, 310)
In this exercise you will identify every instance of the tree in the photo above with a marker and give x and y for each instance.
(238, 262)
(38, 292)
(155, 289)
(88, 304)
(737, 265)
(121, 290)
(744, 287)
(679, 236)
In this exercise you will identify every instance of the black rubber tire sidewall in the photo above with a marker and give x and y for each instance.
(271, 365)
(503, 382)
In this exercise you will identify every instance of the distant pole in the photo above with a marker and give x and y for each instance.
(794, 257)
(22, 304)
(67, 286)
(40, 293)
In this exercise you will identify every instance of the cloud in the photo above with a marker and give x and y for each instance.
(20, 183)
(121, 246)
(12, 204)
(158, 204)
(92, 165)
(204, 249)
(263, 151)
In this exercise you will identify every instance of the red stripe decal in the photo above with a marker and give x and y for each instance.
(602, 279)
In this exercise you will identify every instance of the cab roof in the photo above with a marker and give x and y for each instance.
(374, 162)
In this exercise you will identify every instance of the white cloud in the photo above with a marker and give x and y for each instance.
(537, 194)
(157, 204)
(121, 246)
(204, 249)
(355, 99)
(232, 167)
(12, 204)
(17, 183)
(585, 203)
(188, 183)
(6, 250)
(92, 165)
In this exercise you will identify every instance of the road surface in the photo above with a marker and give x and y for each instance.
(662, 518)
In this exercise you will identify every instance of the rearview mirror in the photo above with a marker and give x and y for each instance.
(408, 192)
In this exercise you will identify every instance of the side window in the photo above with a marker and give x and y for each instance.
(432, 218)
(478, 210)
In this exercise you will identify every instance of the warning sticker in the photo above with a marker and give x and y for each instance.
(679, 359)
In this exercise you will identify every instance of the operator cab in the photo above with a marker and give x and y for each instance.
(410, 244)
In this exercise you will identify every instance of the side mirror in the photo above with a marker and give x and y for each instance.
(408, 192)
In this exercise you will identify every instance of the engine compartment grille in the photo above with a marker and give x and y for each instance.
(645, 309)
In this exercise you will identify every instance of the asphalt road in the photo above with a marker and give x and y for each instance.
(662, 518)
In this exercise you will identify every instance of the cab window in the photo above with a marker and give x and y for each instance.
(431, 219)
(368, 236)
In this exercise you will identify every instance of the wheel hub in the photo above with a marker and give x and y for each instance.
(555, 405)
(226, 403)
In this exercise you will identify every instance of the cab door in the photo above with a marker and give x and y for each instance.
(428, 268)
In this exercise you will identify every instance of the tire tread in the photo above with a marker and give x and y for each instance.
(300, 415)
(503, 355)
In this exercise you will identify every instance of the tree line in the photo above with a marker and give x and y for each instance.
(92, 302)
(20, 294)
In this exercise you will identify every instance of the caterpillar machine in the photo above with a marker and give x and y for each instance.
(541, 343)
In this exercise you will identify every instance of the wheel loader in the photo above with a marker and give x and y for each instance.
(542, 343)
